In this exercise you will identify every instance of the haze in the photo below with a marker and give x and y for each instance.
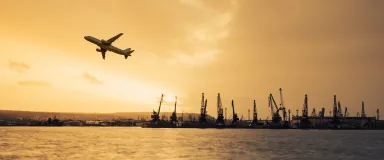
(244, 49)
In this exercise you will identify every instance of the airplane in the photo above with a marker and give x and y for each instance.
(106, 45)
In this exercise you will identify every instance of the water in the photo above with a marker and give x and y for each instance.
(208, 144)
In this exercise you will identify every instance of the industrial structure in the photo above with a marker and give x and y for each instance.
(203, 111)
(173, 118)
(255, 123)
(280, 118)
(220, 123)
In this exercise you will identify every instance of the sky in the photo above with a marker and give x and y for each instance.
(242, 49)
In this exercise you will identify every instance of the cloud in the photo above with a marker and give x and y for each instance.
(92, 79)
(205, 35)
(34, 83)
(18, 66)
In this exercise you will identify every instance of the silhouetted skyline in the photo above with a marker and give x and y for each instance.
(242, 49)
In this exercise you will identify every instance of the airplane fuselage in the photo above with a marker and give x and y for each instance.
(105, 46)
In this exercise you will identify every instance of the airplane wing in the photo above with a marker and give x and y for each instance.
(113, 39)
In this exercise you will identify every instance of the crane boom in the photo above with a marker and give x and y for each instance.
(254, 111)
(281, 98)
(340, 112)
(305, 107)
(175, 103)
(270, 104)
(219, 105)
(345, 112)
(274, 102)
(202, 104)
(161, 101)
(205, 107)
(220, 118)
(233, 108)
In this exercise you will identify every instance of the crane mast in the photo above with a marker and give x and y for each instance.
(305, 123)
(255, 122)
(340, 112)
(345, 112)
(289, 116)
(174, 116)
(156, 115)
(235, 117)
(305, 107)
(272, 104)
(205, 107)
(254, 111)
(378, 114)
(334, 107)
(202, 104)
(161, 101)
(220, 117)
(363, 115)
(175, 104)
(219, 105)
(282, 105)
(322, 112)
(276, 118)
(336, 119)
(203, 110)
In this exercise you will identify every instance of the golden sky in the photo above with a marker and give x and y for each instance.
(244, 49)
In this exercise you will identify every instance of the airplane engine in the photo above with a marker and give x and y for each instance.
(98, 50)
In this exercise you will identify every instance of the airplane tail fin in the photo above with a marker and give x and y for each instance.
(128, 52)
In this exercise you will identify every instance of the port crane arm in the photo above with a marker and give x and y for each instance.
(205, 107)
(281, 98)
(273, 102)
(270, 104)
(161, 101)
(345, 112)
(233, 108)
(175, 104)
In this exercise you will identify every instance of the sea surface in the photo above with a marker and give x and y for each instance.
(83, 143)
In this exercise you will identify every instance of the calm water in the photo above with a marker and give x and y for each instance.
(204, 144)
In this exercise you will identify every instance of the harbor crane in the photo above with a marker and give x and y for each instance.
(335, 123)
(203, 117)
(235, 117)
(173, 118)
(304, 122)
(289, 116)
(156, 115)
(255, 121)
(203, 110)
(339, 111)
(276, 118)
(378, 114)
(282, 106)
(322, 113)
(220, 118)
(345, 112)
(363, 115)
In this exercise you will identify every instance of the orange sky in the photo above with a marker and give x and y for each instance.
(244, 49)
